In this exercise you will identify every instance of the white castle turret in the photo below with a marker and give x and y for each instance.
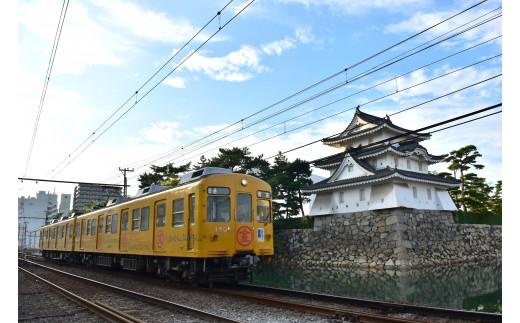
(390, 174)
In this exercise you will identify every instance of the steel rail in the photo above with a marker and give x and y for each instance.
(187, 310)
(359, 316)
(382, 305)
(105, 312)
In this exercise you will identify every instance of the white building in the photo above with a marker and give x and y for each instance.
(32, 213)
(368, 175)
(65, 200)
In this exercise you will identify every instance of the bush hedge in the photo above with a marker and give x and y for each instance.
(306, 222)
(462, 217)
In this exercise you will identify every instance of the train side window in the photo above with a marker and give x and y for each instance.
(244, 208)
(109, 223)
(145, 215)
(70, 230)
(77, 230)
(135, 219)
(263, 211)
(178, 212)
(161, 215)
(114, 223)
(62, 234)
(101, 222)
(192, 208)
(93, 227)
(83, 227)
(124, 221)
(88, 227)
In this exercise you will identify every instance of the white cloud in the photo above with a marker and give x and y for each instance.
(359, 6)
(83, 41)
(236, 66)
(278, 47)
(148, 24)
(420, 21)
(244, 63)
(176, 82)
(163, 132)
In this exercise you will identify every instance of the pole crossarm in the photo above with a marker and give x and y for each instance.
(69, 182)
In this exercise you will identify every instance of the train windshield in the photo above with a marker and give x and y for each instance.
(218, 205)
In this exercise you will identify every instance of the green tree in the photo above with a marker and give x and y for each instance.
(287, 179)
(496, 199)
(239, 160)
(476, 196)
(460, 161)
(167, 175)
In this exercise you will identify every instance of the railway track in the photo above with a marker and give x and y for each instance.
(108, 311)
(384, 307)
(339, 306)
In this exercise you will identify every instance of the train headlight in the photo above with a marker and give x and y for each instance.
(243, 181)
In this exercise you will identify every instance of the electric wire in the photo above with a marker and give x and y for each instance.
(371, 101)
(157, 84)
(363, 104)
(145, 83)
(339, 85)
(162, 155)
(57, 36)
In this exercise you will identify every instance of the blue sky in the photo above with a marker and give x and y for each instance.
(273, 49)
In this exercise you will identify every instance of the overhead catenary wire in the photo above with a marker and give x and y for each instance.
(371, 101)
(151, 77)
(157, 84)
(414, 131)
(363, 104)
(57, 36)
(162, 155)
(357, 77)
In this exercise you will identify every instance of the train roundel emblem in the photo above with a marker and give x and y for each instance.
(244, 235)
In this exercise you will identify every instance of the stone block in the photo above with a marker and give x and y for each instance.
(392, 220)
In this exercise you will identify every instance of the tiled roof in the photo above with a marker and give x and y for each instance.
(370, 119)
(380, 174)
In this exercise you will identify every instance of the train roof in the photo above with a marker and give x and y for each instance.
(186, 179)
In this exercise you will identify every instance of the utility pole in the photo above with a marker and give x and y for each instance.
(125, 185)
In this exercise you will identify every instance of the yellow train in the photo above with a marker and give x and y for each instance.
(214, 226)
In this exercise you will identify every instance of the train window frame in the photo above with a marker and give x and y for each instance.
(83, 227)
(193, 205)
(108, 223)
(238, 216)
(136, 218)
(70, 230)
(178, 213)
(101, 223)
(93, 229)
(77, 230)
(258, 212)
(88, 227)
(160, 221)
(62, 232)
(115, 220)
(146, 224)
(124, 220)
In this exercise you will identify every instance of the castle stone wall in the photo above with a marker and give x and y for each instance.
(391, 238)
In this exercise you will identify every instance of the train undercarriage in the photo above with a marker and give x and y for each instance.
(192, 270)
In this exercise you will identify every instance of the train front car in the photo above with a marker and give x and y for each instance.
(235, 232)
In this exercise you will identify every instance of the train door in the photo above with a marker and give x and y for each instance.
(190, 235)
(123, 238)
(159, 228)
(244, 222)
(99, 237)
(82, 232)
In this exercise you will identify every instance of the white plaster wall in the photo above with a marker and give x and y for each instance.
(351, 201)
(356, 170)
(445, 201)
(321, 203)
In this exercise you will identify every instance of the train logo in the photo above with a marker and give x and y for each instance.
(244, 235)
